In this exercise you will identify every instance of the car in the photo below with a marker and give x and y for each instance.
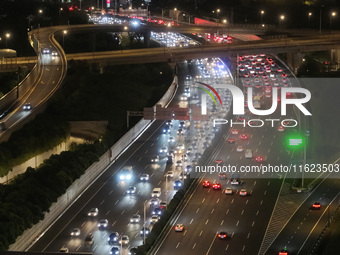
(133, 251)
(162, 205)
(75, 232)
(228, 191)
(231, 140)
(222, 235)
(184, 157)
(131, 190)
(113, 238)
(93, 212)
(135, 218)
(179, 227)
(169, 123)
(316, 205)
(206, 184)
(63, 250)
(114, 250)
(280, 128)
(27, 107)
(218, 161)
(169, 174)
(124, 240)
(125, 174)
(144, 177)
(180, 131)
(145, 231)
(184, 98)
(170, 160)
(222, 176)
(182, 176)
(259, 159)
(240, 149)
(179, 163)
(154, 219)
(188, 77)
(166, 130)
(243, 137)
(54, 53)
(154, 201)
(89, 239)
(283, 252)
(177, 184)
(163, 149)
(171, 139)
(46, 51)
(188, 169)
(103, 223)
(235, 181)
(155, 159)
(157, 211)
(243, 192)
(216, 186)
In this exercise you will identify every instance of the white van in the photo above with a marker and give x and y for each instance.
(156, 192)
(248, 153)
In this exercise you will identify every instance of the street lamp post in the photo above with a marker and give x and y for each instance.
(144, 221)
(64, 33)
(309, 16)
(333, 14)
(282, 18)
(262, 13)
(7, 35)
(40, 11)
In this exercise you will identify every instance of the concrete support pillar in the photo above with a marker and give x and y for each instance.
(294, 60)
(147, 36)
(335, 57)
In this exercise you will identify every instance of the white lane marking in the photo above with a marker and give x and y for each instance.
(177, 245)
(206, 221)
(191, 221)
(268, 183)
(200, 233)
(108, 212)
(185, 232)
(116, 202)
(254, 183)
(217, 201)
(242, 212)
(146, 151)
(78, 247)
(193, 247)
(152, 144)
(222, 222)
(140, 159)
(248, 235)
(94, 247)
(261, 202)
(212, 211)
(232, 201)
(247, 201)
(227, 211)
(243, 247)
(268, 150)
(197, 210)
(102, 202)
(203, 200)
(253, 224)
(110, 192)
(257, 213)
(237, 223)
(122, 212)
(83, 224)
(265, 192)
(159, 183)
(226, 248)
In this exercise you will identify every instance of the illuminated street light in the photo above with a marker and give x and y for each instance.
(333, 14)
(224, 21)
(7, 35)
(282, 17)
(175, 9)
(64, 33)
(262, 13)
(40, 11)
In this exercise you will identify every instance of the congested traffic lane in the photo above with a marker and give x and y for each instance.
(244, 218)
